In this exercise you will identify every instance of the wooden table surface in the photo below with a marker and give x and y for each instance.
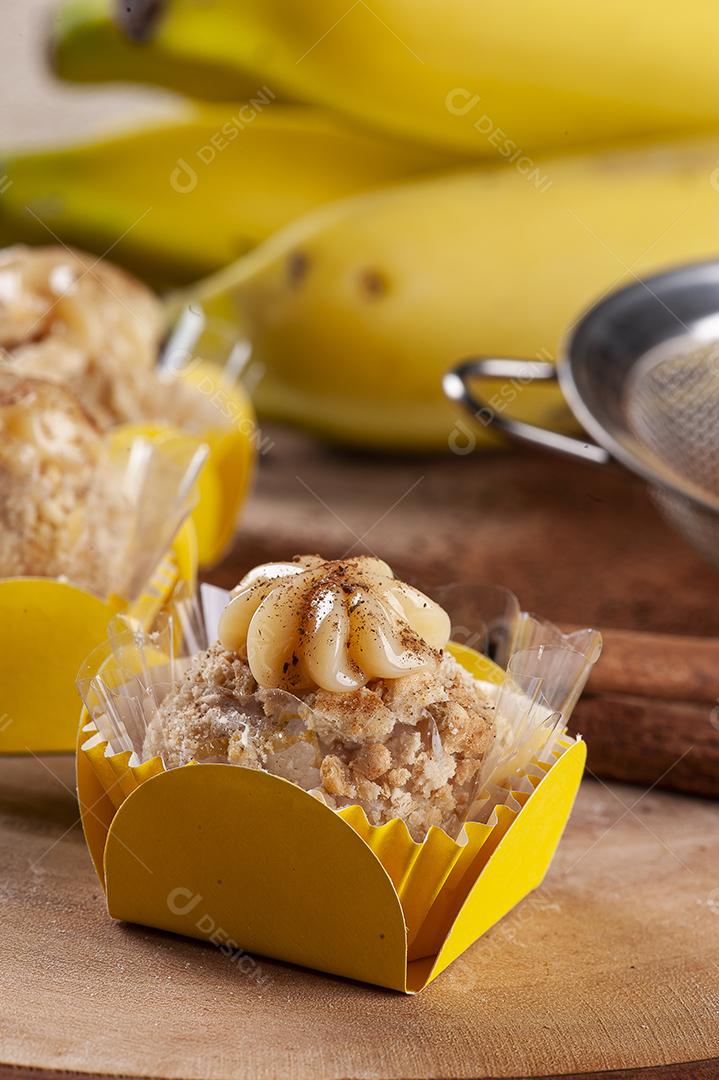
(611, 965)
(577, 543)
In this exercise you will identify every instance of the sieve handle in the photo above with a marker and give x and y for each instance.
(455, 384)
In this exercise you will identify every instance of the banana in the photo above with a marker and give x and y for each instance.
(487, 77)
(87, 45)
(357, 310)
(177, 200)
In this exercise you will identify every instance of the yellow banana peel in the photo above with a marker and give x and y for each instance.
(87, 45)
(192, 194)
(357, 310)
(486, 77)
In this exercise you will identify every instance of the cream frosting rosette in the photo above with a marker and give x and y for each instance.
(331, 624)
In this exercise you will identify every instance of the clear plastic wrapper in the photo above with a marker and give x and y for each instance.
(158, 482)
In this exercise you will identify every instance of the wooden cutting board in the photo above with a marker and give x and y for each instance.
(611, 965)
(608, 970)
(577, 543)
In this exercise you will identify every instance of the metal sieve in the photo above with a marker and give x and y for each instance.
(640, 372)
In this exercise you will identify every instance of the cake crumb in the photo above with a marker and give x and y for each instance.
(62, 512)
(409, 748)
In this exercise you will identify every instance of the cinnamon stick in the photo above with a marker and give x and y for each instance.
(669, 667)
(670, 744)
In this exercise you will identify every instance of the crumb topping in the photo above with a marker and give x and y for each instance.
(410, 747)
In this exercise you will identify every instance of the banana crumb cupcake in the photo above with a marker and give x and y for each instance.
(61, 513)
(335, 675)
(83, 322)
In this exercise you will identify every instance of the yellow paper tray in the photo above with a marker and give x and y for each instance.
(47, 629)
(248, 860)
(224, 482)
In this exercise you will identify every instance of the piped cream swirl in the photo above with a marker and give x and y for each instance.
(331, 624)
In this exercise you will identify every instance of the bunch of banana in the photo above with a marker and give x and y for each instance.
(480, 76)
(190, 195)
(356, 310)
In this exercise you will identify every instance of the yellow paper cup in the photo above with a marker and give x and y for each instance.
(176, 849)
(47, 629)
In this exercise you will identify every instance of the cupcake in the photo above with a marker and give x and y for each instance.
(62, 512)
(82, 321)
(335, 675)
(312, 764)
(79, 321)
(90, 525)
(72, 508)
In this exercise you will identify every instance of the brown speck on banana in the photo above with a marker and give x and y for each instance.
(298, 264)
(373, 283)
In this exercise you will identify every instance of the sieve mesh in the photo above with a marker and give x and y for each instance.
(672, 409)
